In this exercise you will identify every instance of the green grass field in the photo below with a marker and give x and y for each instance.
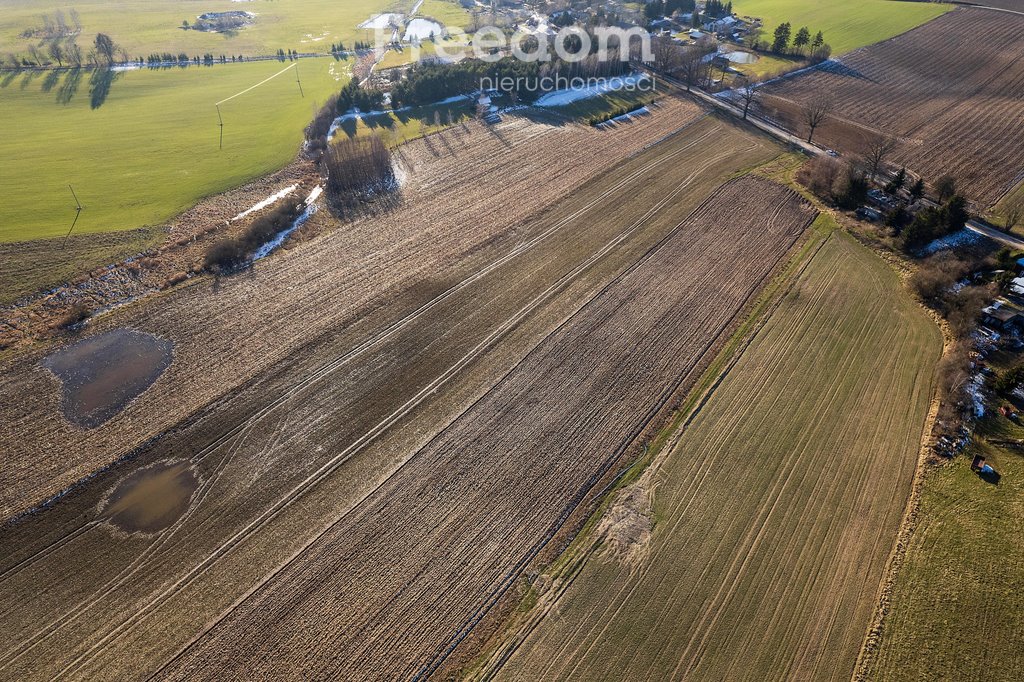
(846, 25)
(396, 128)
(150, 150)
(596, 109)
(773, 515)
(144, 26)
(957, 608)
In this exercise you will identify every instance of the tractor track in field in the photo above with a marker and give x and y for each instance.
(155, 555)
(338, 461)
(584, 478)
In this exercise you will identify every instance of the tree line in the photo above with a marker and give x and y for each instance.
(784, 42)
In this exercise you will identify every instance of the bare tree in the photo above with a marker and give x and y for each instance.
(1013, 212)
(666, 54)
(56, 52)
(748, 93)
(37, 55)
(691, 66)
(106, 49)
(876, 149)
(815, 111)
(74, 54)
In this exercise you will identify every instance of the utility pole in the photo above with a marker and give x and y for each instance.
(221, 124)
(78, 212)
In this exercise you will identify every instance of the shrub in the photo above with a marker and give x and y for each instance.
(77, 313)
(224, 255)
(819, 175)
(229, 254)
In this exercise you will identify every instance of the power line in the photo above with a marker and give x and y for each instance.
(253, 87)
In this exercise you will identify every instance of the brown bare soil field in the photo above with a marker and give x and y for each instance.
(469, 511)
(951, 91)
(468, 190)
(1012, 5)
(299, 434)
(754, 545)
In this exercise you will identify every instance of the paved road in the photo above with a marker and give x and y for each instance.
(996, 235)
(760, 124)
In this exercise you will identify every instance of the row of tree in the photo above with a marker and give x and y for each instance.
(56, 26)
(358, 46)
(66, 52)
(784, 42)
(426, 83)
(352, 96)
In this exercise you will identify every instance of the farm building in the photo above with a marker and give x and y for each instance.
(723, 25)
(1003, 316)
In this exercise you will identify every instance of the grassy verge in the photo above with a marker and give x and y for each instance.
(957, 603)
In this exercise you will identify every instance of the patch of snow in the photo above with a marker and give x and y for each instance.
(562, 97)
(310, 209)
(740, 57)
(266, 202)
(422, 29)
(628, 116)
(959, 238)
(382, 21)
(974, 387)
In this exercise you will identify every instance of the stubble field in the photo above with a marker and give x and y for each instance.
(951, 91)
(754, 548)
(372, 340)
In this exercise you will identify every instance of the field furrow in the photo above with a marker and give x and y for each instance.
(773, 514)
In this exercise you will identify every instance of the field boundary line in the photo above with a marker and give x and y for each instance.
(632, 437)
(571, 562)
(371, 435)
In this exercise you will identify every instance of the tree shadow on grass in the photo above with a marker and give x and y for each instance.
(66, 91)
(29, 77)
(51, 80)
(99, 86)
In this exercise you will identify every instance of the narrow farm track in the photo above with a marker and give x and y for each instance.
(775, 510)
(301, 445)
(956, 102)
(481, 498)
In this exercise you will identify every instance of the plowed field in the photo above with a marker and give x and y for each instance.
(952, 91)
(775, 512)
(311, 392)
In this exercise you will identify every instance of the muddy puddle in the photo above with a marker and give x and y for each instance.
(152, 498)
(100, 375)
